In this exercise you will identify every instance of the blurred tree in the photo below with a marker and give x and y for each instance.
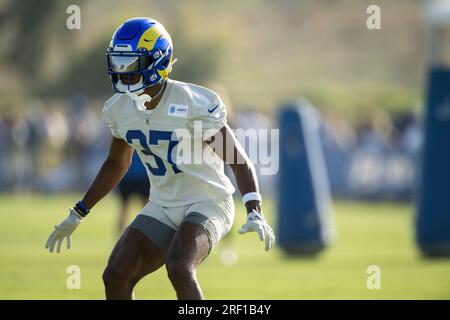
(29, 19)
(85, 74)
(198, 62)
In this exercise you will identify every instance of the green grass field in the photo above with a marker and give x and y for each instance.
(368, 234)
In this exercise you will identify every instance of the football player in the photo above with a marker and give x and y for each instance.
(191, 206)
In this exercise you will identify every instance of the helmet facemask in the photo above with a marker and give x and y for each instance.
(127, 65)
(130, 65)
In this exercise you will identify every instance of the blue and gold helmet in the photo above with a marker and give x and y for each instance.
(140, 46)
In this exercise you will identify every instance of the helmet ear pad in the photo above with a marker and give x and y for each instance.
(152, 76)
(164, 63)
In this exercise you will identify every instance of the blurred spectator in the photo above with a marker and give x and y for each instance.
(367, 166)
(57, 173)
(339, 139)
(249, 118)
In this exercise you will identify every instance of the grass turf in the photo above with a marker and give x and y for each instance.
(368, 234)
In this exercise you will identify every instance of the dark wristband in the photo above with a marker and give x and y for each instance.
(82, 208)
(253, 205)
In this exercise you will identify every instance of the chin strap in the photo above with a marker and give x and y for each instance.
(140, 100)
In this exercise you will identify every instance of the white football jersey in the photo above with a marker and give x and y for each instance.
(154, 135)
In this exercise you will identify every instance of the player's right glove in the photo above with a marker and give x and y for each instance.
(257, 223)
(63, 230)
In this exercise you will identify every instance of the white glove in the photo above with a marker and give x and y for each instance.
(257, 223)
(63, 230)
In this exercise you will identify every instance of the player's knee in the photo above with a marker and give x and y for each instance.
(180, 270)
(113, 277)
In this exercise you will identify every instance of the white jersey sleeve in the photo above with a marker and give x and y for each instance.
(109, 115)
(208, 110)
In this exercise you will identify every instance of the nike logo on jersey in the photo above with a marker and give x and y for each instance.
(212, 110)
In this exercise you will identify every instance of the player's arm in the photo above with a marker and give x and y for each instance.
(112, 171)
(228, 148)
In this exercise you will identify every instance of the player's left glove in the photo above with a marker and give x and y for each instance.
(63, 230)
(257, 223)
